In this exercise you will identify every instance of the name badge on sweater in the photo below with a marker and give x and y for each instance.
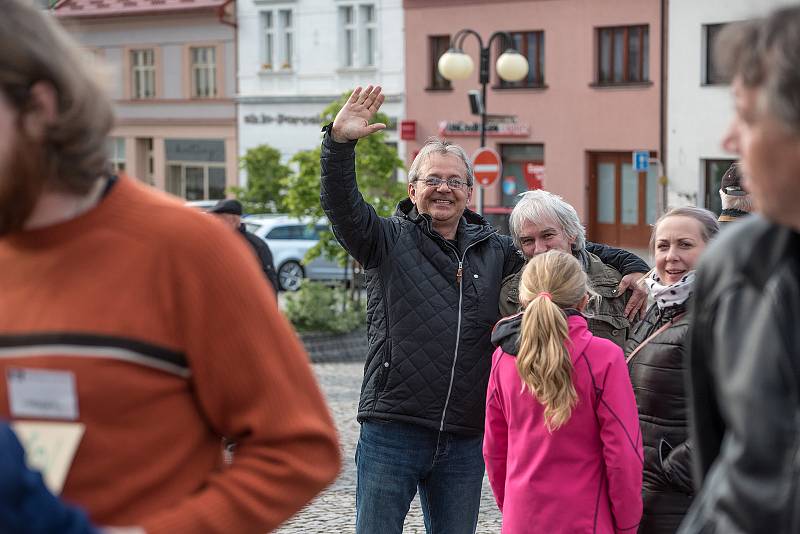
(42, 394)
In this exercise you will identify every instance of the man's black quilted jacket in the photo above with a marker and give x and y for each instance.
(429, 329)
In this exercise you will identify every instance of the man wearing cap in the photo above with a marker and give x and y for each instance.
(736, 201)
(230, 212)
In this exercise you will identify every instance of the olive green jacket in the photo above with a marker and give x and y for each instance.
(606, 314)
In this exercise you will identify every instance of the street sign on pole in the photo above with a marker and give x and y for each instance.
(487, 166)
(510, 185)
(534, 174)
(641, 160)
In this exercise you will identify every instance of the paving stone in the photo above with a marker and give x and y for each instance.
(333, 511)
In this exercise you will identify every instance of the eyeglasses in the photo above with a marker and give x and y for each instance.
(452, 183)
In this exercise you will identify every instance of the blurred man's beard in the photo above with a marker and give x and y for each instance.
(21, 183)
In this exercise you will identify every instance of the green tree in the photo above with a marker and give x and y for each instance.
(266, 181)
(376, 170)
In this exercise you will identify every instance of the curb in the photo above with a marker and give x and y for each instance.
(326, 347)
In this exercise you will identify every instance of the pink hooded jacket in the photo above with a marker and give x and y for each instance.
(585, 476)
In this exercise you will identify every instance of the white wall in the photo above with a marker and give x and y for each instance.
(316, 77)
(698, 115)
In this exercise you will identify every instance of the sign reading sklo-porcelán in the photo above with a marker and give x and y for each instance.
(487, 166)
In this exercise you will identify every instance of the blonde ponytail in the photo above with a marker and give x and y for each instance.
(550, 282)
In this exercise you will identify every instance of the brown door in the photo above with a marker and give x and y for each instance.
(621, 201)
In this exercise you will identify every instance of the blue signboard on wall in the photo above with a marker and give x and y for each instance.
(641, 160)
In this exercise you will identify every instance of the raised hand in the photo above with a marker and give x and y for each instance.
(352, 121)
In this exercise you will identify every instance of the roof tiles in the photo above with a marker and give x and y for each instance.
(106, 8)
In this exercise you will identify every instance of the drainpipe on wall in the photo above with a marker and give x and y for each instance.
(221, 15)
(662, 111)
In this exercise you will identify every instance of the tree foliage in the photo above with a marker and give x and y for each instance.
(266, 181)
(376, 170)
(276, 188)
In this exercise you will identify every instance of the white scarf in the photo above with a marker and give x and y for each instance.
(671, 295)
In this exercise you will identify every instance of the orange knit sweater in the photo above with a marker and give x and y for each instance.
(174, 340)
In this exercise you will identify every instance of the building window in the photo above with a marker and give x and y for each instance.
(711, 71)
(195, 168)
(369, 34)
(194, 181)
(438, 45)
(714, 170)
(525, 163)
(143, 73)
(623, 55)
(358, 35)
(116, 153)
(530, 45)
(203, 71)
(278, 47)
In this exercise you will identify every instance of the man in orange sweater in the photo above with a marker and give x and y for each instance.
(142, 320)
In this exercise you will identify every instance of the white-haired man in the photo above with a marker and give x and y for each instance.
(543, 221)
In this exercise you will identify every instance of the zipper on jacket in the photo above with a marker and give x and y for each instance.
(458, 323)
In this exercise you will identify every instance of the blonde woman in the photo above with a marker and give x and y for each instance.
(562, 443)
(656, 353)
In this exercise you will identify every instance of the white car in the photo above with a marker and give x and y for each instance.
(289, 239)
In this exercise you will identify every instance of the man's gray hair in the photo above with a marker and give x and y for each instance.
(731, 202)
(765, 53)
(434, 145)
(540, 206)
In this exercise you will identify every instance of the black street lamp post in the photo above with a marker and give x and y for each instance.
(456, 65)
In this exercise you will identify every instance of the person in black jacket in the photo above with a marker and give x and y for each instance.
(230, 211)
(744, 354)
(655, 353)
(434, 272)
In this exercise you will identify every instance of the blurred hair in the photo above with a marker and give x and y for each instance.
(34, 48)
(765, 53)
(731, 202)
(543, 361)
(539, 206)
(434, 145)
(709, 227)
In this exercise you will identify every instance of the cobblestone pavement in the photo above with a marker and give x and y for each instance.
(333, 512)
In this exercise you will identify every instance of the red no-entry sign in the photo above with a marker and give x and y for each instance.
(487, 166)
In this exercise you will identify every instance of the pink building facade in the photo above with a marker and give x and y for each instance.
(592, 97)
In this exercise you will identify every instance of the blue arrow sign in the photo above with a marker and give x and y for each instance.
(641, 160)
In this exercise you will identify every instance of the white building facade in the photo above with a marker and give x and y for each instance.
(699, 103)
(298, 56)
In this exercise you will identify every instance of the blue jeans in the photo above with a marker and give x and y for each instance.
(394, 460)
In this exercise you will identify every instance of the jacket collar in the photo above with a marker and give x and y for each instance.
(731, 214)
(472, 227)
(506, 332)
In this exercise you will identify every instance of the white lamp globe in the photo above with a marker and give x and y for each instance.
(455, 65)
(511, 66)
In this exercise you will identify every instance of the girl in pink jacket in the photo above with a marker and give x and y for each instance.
(562, 445)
